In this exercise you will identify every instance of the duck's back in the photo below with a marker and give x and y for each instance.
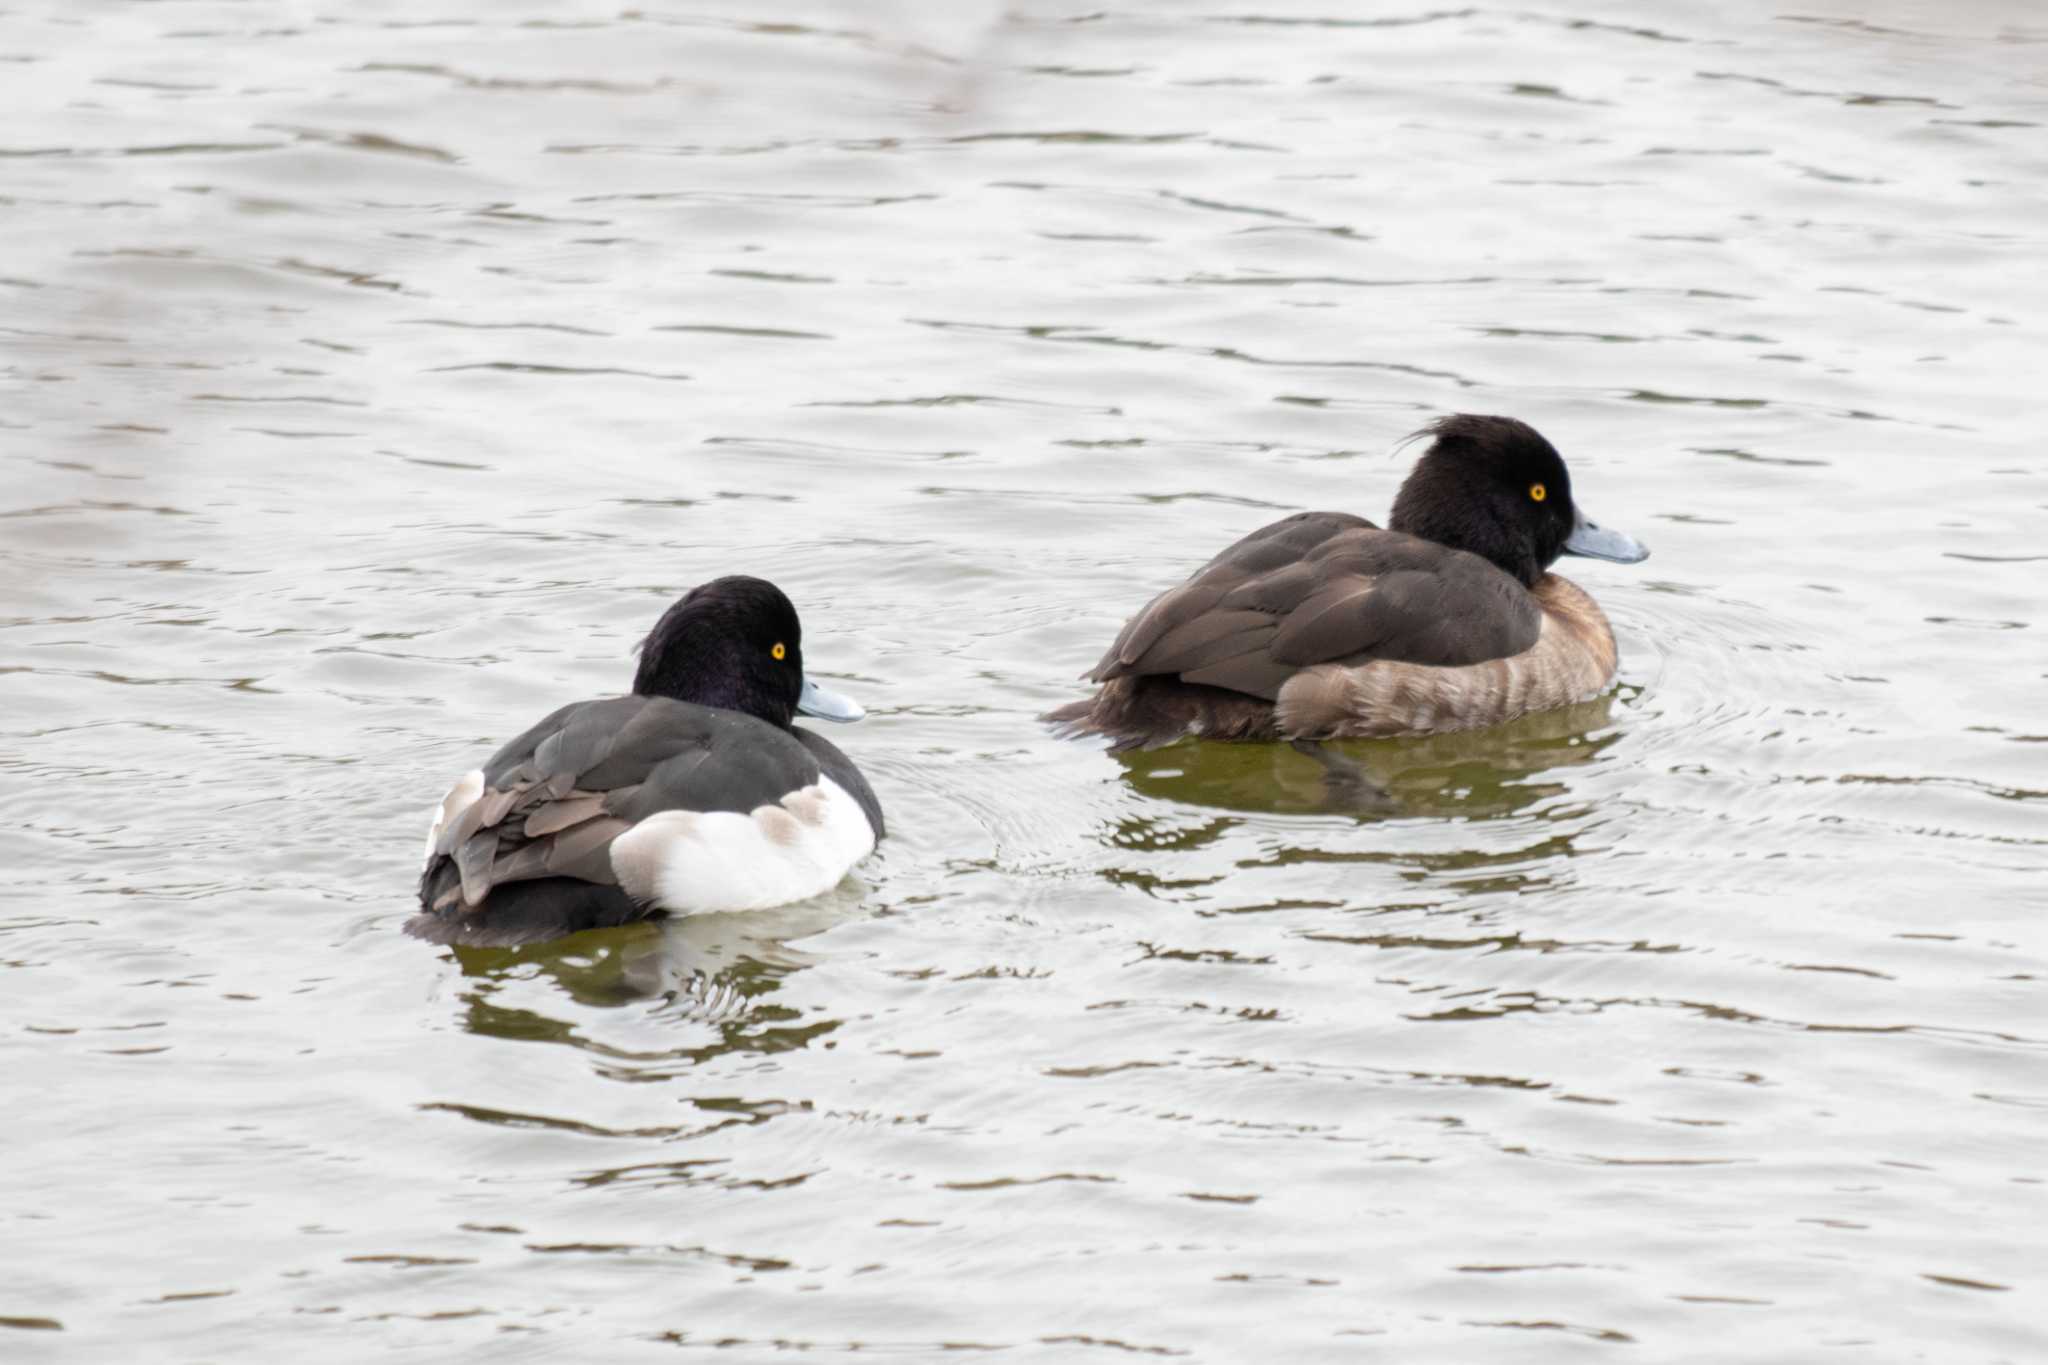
(582, 820)
(1319, 587)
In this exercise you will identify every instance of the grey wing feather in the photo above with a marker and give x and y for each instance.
(491, 809)
(583, 851)
(473, 865)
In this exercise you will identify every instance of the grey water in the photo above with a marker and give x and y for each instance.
(371, 375)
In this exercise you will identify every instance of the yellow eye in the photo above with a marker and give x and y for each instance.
(1537, 493)
(779, 652)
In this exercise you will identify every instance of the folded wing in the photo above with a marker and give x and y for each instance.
(1324, 587)
(550, 803)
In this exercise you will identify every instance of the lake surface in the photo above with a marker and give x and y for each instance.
(376, 373)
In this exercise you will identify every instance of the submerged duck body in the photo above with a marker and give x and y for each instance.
(1323, 625)
(695, 793)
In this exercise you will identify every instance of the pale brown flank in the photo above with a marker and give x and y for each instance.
(1573, 659)
(778, 824)
(807, 804)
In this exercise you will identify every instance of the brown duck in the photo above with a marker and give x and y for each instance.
(1324, 626)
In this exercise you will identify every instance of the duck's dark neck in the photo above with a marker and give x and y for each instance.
(711, 676)
(1469, 526)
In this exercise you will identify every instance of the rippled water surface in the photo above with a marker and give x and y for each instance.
(375, 373)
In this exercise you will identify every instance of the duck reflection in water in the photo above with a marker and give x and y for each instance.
(720, 969)
(1474, 774)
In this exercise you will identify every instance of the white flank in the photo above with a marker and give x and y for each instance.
(694, 862)
(464, 794)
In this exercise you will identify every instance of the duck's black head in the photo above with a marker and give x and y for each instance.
(735, 643)
(1495, 487)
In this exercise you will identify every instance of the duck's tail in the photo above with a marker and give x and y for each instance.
(1154, 711)
(525, 912)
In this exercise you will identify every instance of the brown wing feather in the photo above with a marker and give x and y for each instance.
(1319, 587)
(1266, 552)
(555, 816)
(1215, 634)
(523, 831)
(1254, 674)
(1326, 623)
